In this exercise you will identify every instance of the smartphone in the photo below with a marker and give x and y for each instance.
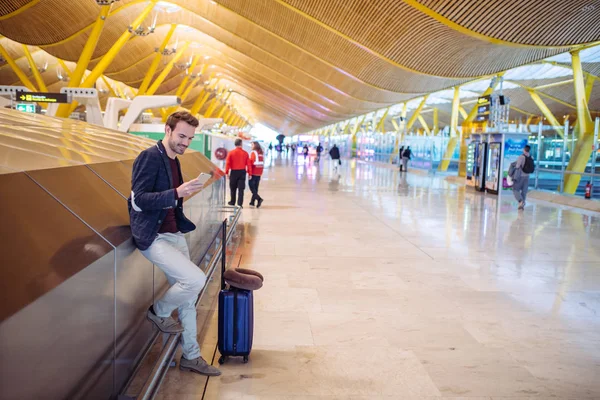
(203, 178)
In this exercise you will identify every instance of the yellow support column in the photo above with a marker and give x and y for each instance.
(108, 58)
(226, 116)
(546, 112)
(229, 117)
(34, 69)
(199, 103)
(359, 122)
(225, 105)
(156, 61)
(215, 103)
(399, 131)
(64, 67)
(222, 111)
(416, 114)
(585, 142)
(110, 89)
(203, 96)
(589, 86)
(381, 124)
(116, 48)
(183, 96)
(436, 121)
(89, 48)
(463, 112)
(161, 78)
(183, 88)
(211, 107)
(424, 125)
(453, 132)
(15, 68)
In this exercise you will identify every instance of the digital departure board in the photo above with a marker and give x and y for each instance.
(484, 104)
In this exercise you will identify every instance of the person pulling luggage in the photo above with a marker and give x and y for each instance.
(334, 153)
(319, 151)
(400, 157)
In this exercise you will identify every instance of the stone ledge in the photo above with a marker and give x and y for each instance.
(578, 202)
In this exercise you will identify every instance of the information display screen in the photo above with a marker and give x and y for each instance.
(41, 97)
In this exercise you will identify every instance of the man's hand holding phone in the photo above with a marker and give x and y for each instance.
(193, 186)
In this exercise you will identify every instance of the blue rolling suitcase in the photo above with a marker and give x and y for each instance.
(236, 323)
(236, 320)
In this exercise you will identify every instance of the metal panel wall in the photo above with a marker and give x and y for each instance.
(61, 345)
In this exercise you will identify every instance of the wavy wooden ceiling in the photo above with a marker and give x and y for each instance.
(303, 64)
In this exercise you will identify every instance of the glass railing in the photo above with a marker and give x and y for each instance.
(551, 147)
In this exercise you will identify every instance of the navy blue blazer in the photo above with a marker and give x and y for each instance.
(152, 194)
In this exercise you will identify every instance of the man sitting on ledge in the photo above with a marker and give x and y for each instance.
(158, 226)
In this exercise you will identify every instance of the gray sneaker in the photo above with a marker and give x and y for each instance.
(166, 325)
(198, 365)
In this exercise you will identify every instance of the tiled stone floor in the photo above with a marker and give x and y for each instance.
(380, 286)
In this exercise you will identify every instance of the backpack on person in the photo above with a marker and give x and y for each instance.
(529, 166)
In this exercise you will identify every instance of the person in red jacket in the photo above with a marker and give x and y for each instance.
(255, 170)
(237, 162)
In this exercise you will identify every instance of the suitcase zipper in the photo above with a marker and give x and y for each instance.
(235, 321)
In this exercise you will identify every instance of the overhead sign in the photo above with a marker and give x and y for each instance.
(40, 97)
(484, 104)
(24, 107)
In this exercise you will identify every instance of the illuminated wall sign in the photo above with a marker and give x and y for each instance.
(40, 97)
(28, 108)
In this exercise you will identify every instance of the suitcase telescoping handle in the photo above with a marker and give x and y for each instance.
(223, 253)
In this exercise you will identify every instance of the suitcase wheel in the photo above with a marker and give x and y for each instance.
(245, 359)
(222, 359)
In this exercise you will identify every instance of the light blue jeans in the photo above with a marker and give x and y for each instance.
(170, 253)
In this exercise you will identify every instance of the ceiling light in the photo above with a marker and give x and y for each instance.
(167, 7)
(206, 57)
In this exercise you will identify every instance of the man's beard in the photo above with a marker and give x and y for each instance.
(175, 148)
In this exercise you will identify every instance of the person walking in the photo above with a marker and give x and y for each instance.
(406, 155)
(237, 163)
(523, 168)
(158, 225)
(400, 157)
(319, 151)
(334, 153)
(255, 170)
(305, 151)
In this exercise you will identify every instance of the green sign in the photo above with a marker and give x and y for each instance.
(28, 108)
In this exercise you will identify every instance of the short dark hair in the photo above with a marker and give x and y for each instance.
(238, 142)
(527, 148)
(184, 116)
